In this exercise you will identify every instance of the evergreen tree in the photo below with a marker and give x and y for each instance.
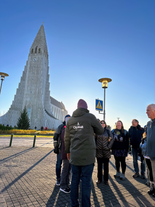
(23, 121)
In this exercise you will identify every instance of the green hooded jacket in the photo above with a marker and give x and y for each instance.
(80, 138)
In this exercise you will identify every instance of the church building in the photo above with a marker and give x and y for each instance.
(33, 91)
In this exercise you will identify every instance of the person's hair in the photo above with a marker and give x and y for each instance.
(122, 128)
(135, 120)
(104, 122)
(152, 106)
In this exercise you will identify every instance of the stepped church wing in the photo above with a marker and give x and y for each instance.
(33, 91)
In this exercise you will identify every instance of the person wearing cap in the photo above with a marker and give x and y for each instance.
(57, 147)
(81, 150)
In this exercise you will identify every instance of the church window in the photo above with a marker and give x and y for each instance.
(32, 51)
(36, 50)
(39, 50)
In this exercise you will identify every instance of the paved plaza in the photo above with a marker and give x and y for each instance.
(27, 178)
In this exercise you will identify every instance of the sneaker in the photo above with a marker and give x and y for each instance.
(58, 183)
(66, 190)
(143, 177)
(106, 183)
(136, 175)
(117, 175)
(98, 181)
(122, 177)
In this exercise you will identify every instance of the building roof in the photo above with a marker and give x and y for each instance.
(57, 103)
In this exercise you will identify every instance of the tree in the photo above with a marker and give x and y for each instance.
(23, 121)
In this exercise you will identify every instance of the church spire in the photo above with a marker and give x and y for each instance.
(39, 44)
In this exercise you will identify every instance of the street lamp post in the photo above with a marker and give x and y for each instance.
(2, 79)
(104, 82)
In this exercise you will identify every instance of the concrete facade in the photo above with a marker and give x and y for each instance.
(33, 91)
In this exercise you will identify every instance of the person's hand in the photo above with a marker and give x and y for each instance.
(68, 156)
(109, 139)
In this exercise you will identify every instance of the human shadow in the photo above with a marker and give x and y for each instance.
(58, 198)
(134, 192)
(2, 148)
(24, 173)
(15, 155)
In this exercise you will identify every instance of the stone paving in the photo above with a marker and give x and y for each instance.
(27, 178)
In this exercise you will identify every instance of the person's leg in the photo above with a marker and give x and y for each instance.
(86, 177)
(106, 169)
(135, 158)
(153, 173)
(99, 167)
(58, 167)
(142, 166)
(76, 173)
(64, 175)
(148, 163)
(117, 164)
(123, 164)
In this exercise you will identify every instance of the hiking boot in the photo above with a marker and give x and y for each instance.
(66, 190)
(136, 175)
(122, 177)
(58, 183)
(117, 175)
(143, 177)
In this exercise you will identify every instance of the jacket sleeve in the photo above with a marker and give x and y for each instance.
(67, 139)
(56, 135)
(98, 129)
(112, 140)
(127, 140)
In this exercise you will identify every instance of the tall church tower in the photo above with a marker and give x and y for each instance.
(33, 90)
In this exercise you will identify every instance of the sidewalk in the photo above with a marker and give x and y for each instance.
(27, 178)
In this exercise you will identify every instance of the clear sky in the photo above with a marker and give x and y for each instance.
(87, 40)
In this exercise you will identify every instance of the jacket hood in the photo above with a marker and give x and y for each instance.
(80, 112)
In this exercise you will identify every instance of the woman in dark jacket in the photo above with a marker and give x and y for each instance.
(120, 148)
(103, 145)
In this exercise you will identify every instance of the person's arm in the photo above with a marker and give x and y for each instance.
(67, 139)
(56, 138)
(111, 141)
(98, 129)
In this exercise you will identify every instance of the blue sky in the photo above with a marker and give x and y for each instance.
(87, 40)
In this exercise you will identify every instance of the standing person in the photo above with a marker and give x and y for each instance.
(104, 143)
(143, 146)
(135, 135)
(150, 147)
(81, 150)
(57, 146)
(120, 149)
(64, 183)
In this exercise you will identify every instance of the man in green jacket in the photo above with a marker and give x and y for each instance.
(81, 150)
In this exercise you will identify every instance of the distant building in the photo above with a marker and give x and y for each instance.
(33, 91)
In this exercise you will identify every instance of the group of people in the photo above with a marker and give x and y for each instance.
(81, 138)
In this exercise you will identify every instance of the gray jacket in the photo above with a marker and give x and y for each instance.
(150, 148)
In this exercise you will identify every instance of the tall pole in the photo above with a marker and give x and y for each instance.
(104, 106)
(1, 85)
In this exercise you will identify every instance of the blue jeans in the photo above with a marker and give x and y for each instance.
(135, 162)
(58, 166)
(85, 174)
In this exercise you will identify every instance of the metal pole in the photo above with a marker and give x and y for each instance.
(11, 140)
(1, 85)
(34, 140)
(104, 106)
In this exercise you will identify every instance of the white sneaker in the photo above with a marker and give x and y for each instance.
(122, 177)
(117, 175)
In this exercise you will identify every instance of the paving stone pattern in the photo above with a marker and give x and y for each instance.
(27, 178)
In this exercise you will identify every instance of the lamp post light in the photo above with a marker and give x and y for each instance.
(104, 82)
(2, 79)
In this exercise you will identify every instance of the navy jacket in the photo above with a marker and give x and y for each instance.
(135, 135)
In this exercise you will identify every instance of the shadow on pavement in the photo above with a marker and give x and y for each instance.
(24, 173)
(15, 155)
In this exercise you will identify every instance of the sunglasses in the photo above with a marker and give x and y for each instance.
(102, 123)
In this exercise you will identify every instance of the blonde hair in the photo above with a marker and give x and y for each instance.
(122, 128)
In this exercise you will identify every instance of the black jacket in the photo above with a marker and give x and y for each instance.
(135, 135)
